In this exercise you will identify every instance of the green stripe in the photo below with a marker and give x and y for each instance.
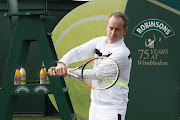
(122, 83)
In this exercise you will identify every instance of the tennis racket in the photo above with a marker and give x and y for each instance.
(97, 73)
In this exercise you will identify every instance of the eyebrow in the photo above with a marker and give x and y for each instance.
(115, 28)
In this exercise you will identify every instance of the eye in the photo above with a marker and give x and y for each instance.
(111, 28)
(118, 29)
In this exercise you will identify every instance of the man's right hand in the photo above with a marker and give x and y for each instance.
(59, 70)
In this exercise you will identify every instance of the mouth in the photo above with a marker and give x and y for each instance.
(112, 37)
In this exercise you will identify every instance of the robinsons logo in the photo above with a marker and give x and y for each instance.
(153, 24)
(148, 31)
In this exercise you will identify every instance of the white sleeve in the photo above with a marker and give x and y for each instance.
(80, 53)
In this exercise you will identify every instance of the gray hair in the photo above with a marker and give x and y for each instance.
(120, 15)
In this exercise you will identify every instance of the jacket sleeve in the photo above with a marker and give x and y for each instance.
(79, 53)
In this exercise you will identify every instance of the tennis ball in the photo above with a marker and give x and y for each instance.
(83, 24)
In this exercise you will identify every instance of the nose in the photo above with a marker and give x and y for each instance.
(113, 31)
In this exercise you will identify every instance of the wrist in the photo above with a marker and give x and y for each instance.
(61, 63)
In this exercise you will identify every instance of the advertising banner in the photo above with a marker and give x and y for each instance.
(153, 38)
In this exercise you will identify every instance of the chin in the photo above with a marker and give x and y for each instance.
(112, 40)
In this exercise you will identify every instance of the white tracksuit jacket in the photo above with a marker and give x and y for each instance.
(115, 97)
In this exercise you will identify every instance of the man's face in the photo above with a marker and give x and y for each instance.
(115, 29)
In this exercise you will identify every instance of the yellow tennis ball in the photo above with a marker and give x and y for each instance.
(82, 24)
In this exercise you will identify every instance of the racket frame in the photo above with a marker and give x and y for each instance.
(84, 65)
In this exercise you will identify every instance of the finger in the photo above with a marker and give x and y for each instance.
(54, 73)
(61, 71)
(50, 72)
(58, 70)
(64, 72)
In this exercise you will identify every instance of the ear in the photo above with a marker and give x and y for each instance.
(107, 27)
(125, 31)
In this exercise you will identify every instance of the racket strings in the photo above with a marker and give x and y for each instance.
(100, 73)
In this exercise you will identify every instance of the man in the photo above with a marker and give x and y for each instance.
(109, 104)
